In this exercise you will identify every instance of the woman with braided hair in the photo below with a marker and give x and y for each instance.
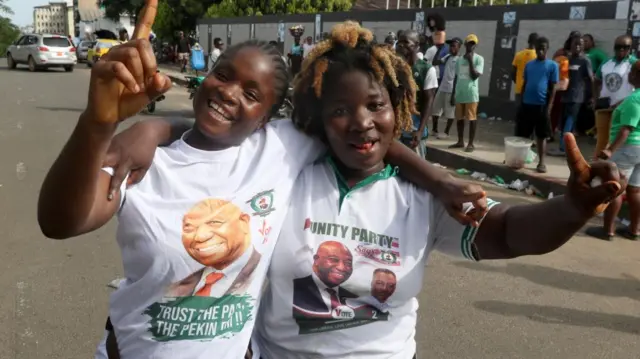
(350, 258)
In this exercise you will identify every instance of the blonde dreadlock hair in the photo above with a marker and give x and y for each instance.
(351, 47)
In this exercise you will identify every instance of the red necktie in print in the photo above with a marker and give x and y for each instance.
(209, 281)
(335, 302)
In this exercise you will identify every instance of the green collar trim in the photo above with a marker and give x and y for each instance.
(343, 186)
(629, 58)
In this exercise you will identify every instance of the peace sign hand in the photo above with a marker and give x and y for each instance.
(125, 80)
(591, 200)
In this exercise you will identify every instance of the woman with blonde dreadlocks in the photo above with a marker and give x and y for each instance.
(349, 261)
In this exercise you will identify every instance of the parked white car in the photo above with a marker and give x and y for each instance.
(41, 51)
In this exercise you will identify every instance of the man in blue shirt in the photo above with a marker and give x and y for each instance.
(538, 90)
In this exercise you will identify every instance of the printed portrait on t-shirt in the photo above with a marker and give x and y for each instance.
(217, 234)
(323, 300)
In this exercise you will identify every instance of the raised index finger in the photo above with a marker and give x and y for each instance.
(575, 160)
(146, 18)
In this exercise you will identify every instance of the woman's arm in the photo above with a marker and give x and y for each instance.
(73, 199)
(513, 231)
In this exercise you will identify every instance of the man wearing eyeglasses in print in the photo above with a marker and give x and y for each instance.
(613, 87)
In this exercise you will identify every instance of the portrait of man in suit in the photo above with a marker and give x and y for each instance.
(320, 293)
(217, 234)
(383, 285)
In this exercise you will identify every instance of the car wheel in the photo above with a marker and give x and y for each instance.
(32, 64)
(68, 68)
(11, 62)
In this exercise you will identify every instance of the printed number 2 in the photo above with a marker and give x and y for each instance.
(374, 314)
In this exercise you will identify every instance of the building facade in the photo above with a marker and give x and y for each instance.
(54, 18)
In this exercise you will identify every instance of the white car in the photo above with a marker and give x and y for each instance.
(41, 51)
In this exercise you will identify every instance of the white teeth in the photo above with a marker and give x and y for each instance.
(213, 248)
(217, 108)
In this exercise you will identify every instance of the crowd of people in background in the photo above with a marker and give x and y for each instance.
(576, 90)
(583, 91)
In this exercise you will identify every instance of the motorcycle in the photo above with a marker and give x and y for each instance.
(151, 107)
(193, 84)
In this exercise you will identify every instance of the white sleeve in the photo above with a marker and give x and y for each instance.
(123, 186)
(431, 80)
(449, 236)
(430, 53)
(480, 64)
(301, 150)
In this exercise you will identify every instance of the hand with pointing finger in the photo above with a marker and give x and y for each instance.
(591, 200)
(126, 78)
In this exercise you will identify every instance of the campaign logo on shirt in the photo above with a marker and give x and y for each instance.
(212, 302)
(613, 81)
(262, 203)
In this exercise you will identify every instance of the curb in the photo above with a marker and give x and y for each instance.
(454, 161)
(177, 79)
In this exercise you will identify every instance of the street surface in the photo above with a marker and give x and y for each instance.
(580, 302)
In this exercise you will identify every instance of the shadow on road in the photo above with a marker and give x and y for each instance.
(628, 287)
(60, 109)
(556, 315)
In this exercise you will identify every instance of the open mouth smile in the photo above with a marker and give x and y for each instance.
(364, 147)
(218, 112)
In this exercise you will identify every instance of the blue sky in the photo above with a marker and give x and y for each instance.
(24, 10)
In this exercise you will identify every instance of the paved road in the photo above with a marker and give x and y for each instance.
(580, 302)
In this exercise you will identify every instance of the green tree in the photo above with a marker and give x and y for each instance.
(8, 34)
(232, 8)
(4, 8)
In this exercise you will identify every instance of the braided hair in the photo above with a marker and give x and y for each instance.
(281, 72)
(350, 47)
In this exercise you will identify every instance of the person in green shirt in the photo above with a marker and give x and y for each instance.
(624, 150)
(466, 94)
(595, 55)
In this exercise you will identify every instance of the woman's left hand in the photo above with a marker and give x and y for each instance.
(589, 200)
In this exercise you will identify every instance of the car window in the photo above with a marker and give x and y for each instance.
(56, 41)
(31, 40)
(21, 41)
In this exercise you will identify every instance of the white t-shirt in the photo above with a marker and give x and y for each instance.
(214, 57)
(348, 266)
(449, 75)
(306, 49)
(615, 79)
(431, 80)
(225, 208)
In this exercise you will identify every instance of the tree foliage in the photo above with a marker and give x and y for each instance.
(231, 8)
(4, 8)
(8, 31)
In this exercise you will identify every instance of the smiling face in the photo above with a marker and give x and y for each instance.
(236, 97)
(383, 285)
(215, 233)
(359, 120)
(333, 263)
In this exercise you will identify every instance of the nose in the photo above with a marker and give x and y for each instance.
(229, 94)
(203, 233)
(362, 120)
(342, 266)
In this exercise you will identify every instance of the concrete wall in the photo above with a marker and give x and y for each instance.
(486, 32)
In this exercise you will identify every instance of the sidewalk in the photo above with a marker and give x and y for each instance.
(488, 156)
